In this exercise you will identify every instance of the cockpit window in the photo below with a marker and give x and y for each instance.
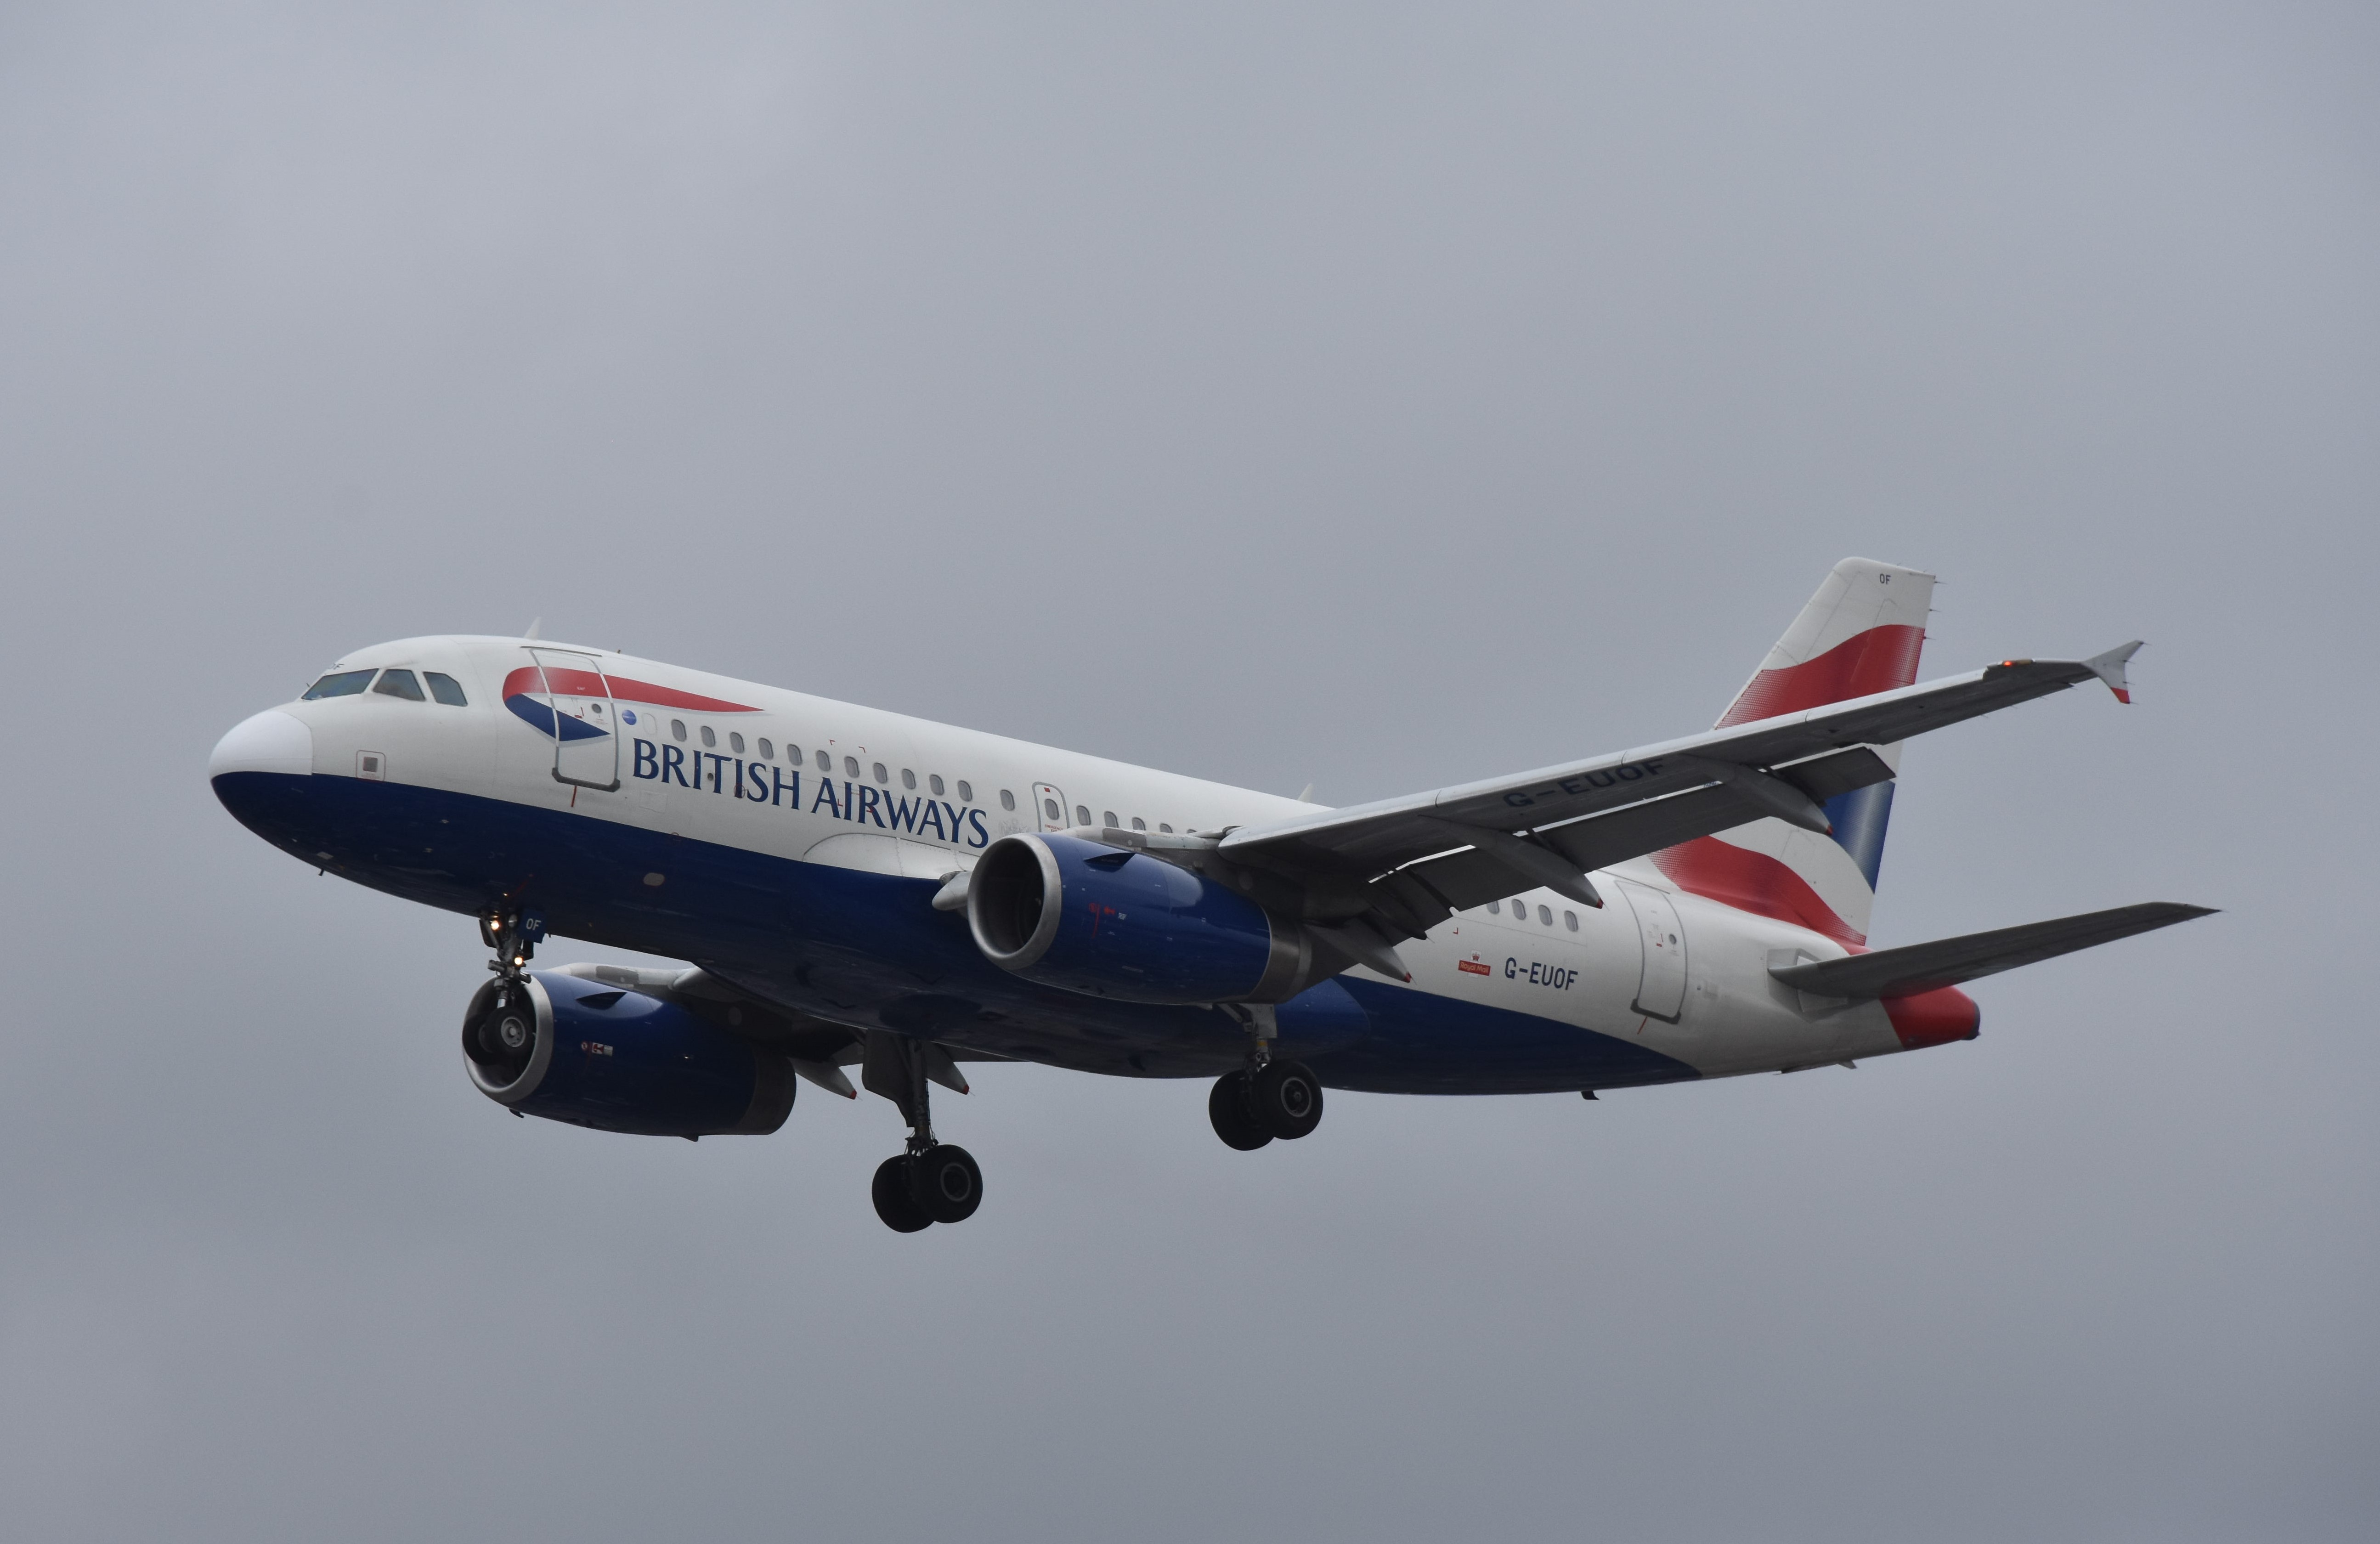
(399, 683)
(445, 688)
(339, 683)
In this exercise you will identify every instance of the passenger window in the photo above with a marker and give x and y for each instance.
(934, 781)
(909, 779)
(768, 751)
(1007, 799)
(967, 794)
(1082, 814)
(709, 738)
(445, 688)
(345, 683)
(1546, 916)
(825, 762)
(736, 742)
(399, 683)
(879, 767)
(1163, 827)
(793, 752)
(677, 728)
(1050, 811)
(1107, 819)
(1495, 908)
(1140, 824)
(1570, 921)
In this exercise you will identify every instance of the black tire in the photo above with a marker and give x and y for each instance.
(1286, 1099)
(894, 1203)
(946, 1183)
(1227, 1107)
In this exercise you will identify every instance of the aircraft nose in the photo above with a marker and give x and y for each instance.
(271, 741)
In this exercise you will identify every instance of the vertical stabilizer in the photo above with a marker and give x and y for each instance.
(1861, 633)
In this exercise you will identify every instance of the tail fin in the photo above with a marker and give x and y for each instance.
(1861, 633)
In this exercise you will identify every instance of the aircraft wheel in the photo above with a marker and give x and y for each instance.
(1227, 1107)
(1286, 1099)
(948, 1185)
(899, 1209)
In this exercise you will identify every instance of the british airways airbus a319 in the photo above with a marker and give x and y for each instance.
(853, 888)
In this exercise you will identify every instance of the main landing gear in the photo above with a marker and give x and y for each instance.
(931, 1182)
(1266, 1098)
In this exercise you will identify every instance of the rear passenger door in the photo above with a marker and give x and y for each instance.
(1049, 808)
(1661, 985)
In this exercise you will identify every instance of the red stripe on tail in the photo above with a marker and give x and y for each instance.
(1875, 660)
(1751, 882)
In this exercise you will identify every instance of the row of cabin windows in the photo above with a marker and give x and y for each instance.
(1107, 817)
(1544, 914)
(825, 762)
(392, 683)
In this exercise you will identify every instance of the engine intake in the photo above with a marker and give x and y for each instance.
(1107, 922)
(595, 1055)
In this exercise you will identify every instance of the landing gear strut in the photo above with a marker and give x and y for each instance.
(514, 935)
(1266, 1098)
(931, 1182)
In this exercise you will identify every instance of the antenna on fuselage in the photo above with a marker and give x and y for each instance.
(534, 624)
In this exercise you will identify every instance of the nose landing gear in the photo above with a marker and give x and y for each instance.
(514, 935)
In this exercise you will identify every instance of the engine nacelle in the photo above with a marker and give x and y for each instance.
(1096, 919)
(593, 1055)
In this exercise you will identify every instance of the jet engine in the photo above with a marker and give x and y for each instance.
(1109, 922)
(595, 1055)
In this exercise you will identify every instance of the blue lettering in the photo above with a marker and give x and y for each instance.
(929, 814)
(673, 765)
(826, 797)
(1533, 973)
(904, 814)
(779, 787)
(982, 838)
(739, 777)
(869, 799)
(648, 764)
(1511, 968)
(718, 765)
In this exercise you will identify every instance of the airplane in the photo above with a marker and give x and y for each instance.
(854, 888)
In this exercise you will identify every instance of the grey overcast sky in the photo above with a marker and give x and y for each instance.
(1371, 394)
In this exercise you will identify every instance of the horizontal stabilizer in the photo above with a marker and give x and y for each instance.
(1945, 962)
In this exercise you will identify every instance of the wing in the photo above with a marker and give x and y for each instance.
(1409, 862)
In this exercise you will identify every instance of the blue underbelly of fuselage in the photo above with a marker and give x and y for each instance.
(868, 950)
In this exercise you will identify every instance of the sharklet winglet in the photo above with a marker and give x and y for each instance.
(2109, 667)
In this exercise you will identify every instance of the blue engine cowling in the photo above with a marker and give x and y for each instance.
(593, 1055)
(1101, 921)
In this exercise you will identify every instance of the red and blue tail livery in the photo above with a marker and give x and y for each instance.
(860, 894)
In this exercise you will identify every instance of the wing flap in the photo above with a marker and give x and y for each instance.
(1947, 962)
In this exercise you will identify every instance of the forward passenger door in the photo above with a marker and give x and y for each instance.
(582, 718)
